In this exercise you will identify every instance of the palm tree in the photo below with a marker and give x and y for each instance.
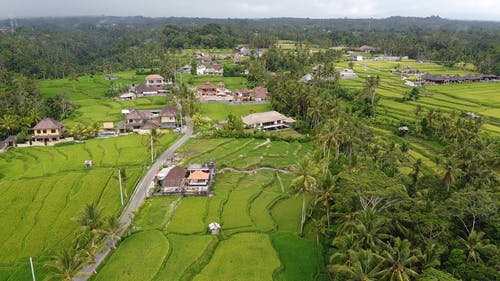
(477, 246)
(319, 228)
(399, 261)
(64, 266)
(305, 182)
(9, 124)
(328, 184)
(365, 266)
(112, 229)
(91, 218)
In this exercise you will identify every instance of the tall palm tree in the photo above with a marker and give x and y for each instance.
(365, 266)
(9, 124)
(112, 229)
(326, 186)
(64, 266)
(477, 247)
(91, 218)
(399, 261)
(305, 182)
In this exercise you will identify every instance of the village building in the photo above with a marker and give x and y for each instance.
(142, 121)
(200, 177)
(187, 69)
(111, 77)
(128, 96)
(207, 88)
(270, 120)
(155, 85)
(367, 49)
(347, 74)
(168, 117)
(214, 228)
(173, 181)
(260, 94)
(357, 58)
(10, 141)
(48, 130)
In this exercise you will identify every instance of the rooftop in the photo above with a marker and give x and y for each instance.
(265, 117)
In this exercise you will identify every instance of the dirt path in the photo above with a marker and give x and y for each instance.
(254, 170)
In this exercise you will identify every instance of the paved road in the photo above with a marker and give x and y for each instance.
(136, 201)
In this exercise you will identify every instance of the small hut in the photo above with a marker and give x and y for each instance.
(214, 228)
(87, 164)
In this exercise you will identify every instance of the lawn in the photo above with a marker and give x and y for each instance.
(220, 111)
(44, 189)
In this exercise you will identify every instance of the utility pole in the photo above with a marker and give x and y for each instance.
(152, 149)
(120, 181)
(32, 269)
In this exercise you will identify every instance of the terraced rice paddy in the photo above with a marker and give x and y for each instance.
(258, 213)
(44, 189)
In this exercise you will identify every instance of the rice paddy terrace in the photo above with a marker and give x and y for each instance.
(44, 190)
(258, 213)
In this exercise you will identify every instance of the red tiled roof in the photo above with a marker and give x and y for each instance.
(198, 175)
(206, 86)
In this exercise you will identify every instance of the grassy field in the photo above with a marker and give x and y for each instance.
(480, 98)
(88, 95)
(220, 111)
(232, 83)
(258, 213)
(45, 188)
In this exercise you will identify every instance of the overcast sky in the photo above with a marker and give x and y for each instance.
(453, 9)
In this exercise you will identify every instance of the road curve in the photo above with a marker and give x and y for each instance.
(136, 201)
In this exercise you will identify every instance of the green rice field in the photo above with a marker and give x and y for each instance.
(44, 189)
(259, 215)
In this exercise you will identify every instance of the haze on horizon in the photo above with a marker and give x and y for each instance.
(452, 9)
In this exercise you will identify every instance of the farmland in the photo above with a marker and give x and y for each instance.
(480, 98)
(259, 215)
(45, 189)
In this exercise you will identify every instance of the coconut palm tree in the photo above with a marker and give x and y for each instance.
(91, 218)
(112, 229)
(365, 266)
(477, 247)
(398, 261)
(305, 182)
(64, 266)
(326, 186)
(9, 124)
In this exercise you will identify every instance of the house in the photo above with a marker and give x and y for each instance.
(187, 69)
(128, 96)
(238, 60)
(206, 60)
(207, 89)
(10, 141)
(269, 120)
(367, 49)
(260, 93)
(111, 77)
(242, 94)
(155, 80)
(348, 74)
(357, 58)
(88, 164)
(48, 130)
(200, 177)
(173, 182)
(200, 69)
(167, 117)
(242, 50)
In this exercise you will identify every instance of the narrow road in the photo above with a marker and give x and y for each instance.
(136, 201)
